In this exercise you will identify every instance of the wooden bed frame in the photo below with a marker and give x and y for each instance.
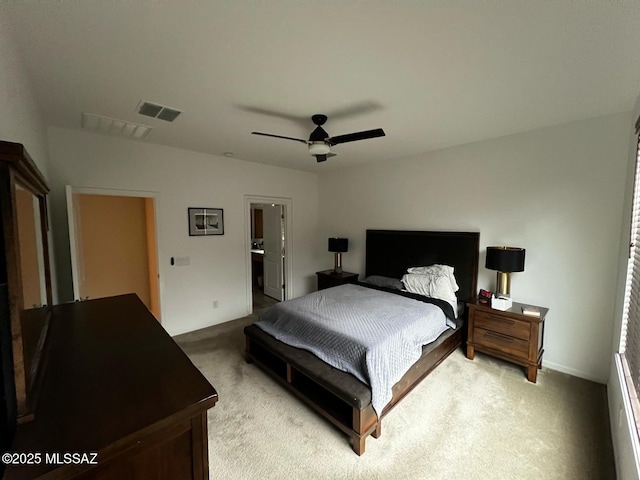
(339, 396)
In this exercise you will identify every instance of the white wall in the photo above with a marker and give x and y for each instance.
(185, 179)
(21, 120)
(558, 192)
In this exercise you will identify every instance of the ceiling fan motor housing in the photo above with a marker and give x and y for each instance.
(319, 135)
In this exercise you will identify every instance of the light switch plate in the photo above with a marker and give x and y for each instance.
(183, 261)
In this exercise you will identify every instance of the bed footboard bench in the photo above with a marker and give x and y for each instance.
(336, 395)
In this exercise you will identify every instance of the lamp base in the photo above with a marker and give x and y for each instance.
(337, 268)
(503, 284)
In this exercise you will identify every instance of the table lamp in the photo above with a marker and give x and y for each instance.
(338, 246)
(505, 260)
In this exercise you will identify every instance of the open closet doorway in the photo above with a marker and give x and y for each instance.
(268, 251)
(112, 235)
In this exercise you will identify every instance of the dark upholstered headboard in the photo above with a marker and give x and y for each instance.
(391, 252)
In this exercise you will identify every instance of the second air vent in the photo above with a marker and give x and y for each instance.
(156, 110)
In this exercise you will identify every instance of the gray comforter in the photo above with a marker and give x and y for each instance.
(374, 335)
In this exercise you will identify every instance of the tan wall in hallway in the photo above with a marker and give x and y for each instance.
(152, 257)
(114, 246)
(28, 249)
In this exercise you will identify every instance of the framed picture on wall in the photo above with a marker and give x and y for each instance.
(206, 221)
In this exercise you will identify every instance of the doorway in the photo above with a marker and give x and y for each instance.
(112, 235)
(268, 241)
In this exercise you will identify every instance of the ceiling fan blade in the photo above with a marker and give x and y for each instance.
(303, 120)
(352, 137)
(280, 136)
(365, 106)
(323, 158)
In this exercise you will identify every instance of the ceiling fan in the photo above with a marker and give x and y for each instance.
(320, 142)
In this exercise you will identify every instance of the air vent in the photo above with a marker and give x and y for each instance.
(158, 111)
(112, 126)
(149, 109)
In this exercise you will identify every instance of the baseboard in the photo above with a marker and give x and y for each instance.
(174, 332)
(573, 372)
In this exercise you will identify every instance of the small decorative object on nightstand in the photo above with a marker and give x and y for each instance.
(515, 335)
(329, 278)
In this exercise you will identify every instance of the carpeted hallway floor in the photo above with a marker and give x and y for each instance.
(477, 419)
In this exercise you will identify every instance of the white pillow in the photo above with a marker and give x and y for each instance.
(437, 270)
(437, 281)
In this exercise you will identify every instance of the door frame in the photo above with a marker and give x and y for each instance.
(287, 209)
(71, 190)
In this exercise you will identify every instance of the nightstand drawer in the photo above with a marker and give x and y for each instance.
(505, 325)
(503, 343)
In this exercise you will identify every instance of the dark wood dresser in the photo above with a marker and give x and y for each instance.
(114, 384)
(329, 278)
(507, 334)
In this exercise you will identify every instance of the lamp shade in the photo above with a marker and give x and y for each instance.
(338, 245)
(505, 259)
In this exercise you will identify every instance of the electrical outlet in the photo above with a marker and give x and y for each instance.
(215, 304)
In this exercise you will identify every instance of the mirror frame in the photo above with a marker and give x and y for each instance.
(29, 332)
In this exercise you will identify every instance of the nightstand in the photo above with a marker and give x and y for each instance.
(507, 334)
(328, 278)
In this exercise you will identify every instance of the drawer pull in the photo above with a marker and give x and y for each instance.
(498, 338)
(508, 321)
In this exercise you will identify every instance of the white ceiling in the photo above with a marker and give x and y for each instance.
(433, 74)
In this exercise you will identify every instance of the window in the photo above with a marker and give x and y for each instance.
(630, 335)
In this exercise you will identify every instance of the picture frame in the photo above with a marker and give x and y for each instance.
(205, 221)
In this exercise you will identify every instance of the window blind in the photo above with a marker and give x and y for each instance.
(630, 333)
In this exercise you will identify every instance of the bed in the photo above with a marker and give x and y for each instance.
(340, 397)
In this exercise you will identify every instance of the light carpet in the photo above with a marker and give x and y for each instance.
(477, 419)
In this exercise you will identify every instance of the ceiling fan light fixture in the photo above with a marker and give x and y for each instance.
(319, 148)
